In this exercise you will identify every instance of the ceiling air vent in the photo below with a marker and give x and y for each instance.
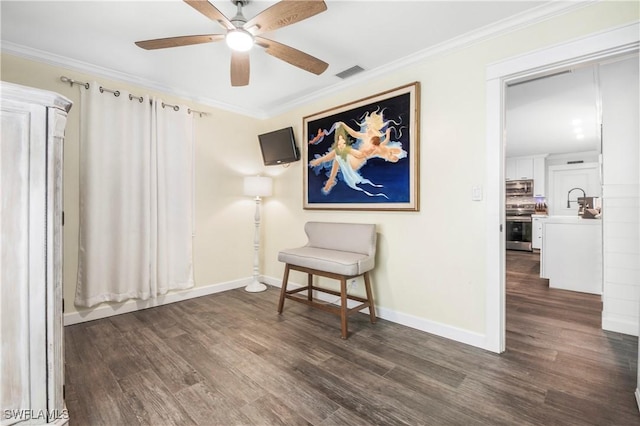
(350, 71)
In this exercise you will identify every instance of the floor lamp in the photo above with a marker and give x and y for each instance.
(257, 186)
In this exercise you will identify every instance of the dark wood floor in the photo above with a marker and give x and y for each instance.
(229, 359)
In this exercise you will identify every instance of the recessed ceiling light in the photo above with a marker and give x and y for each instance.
(580, 136)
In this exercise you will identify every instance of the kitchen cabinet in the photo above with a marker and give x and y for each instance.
(517, 168)
(571, 254)
(536, 231)
(510, 169)
(539, 176)
(32, 128)
(530, 167)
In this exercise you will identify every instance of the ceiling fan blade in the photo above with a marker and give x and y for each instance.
(293, 56)
(211, 12)
(162, 43)
(239, 68)
(284, 13)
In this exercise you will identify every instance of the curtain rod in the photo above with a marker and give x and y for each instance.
(116, 93)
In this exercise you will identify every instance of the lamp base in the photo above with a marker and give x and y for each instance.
(255, 287)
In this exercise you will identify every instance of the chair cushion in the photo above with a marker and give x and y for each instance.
(335, 261)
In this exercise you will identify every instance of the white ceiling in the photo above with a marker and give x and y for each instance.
(556, 114)
(98, 37)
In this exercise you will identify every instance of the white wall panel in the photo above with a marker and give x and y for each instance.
(621, 200)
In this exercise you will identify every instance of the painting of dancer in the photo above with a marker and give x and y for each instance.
(364, 155)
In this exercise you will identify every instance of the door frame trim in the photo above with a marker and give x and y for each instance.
(593, 48)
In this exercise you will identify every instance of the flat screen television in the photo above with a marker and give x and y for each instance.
(279, 147)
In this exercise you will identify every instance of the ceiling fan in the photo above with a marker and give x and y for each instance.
(242, 34)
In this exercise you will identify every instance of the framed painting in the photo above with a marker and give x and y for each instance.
(364, 155)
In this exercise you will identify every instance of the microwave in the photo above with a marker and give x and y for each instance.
(519, 188)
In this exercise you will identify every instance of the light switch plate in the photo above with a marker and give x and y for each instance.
(476, 193)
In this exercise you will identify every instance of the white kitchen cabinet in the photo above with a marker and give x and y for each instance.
(531, 167)
(571, 255)
(536, 231)
(517, 168)
(524, 168)
(510, 169)
(32, 124)
(539, 176)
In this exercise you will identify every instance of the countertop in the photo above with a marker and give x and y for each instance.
(577, 220)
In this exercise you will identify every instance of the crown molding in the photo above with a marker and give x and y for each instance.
(96, 70)
(539, 14)
(514, 23)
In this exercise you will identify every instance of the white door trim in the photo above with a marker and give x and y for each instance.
(592, 48)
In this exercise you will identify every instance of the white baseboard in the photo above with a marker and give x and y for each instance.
(638, 397)
(107, 310)
(432, 327)
(619, 325)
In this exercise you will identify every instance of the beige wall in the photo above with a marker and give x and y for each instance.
(226, 149)
(431, 264)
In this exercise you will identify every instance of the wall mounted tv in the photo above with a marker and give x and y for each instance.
(279, 147)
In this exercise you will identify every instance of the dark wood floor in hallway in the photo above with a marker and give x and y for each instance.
(558, 333)
(229, 359)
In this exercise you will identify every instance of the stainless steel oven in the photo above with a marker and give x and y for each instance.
(519, 226)
(519, 233)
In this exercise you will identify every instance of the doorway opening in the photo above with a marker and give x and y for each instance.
(553, 140)
(584, 52)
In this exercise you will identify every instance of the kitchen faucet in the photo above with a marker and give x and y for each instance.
(569, 193)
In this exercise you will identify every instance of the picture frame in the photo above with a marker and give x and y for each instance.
(364, 155)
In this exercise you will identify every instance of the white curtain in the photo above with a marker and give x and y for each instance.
(135, 198)
(172, 171)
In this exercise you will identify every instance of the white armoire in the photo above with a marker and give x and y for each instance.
(32, 359)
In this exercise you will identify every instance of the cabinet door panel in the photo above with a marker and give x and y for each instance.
(55, 128)
(524, 168)
(510, 169)
(22, 291)
(539, 177)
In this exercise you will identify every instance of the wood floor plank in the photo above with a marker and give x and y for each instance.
(151, 401)
(344, 417)
(227, 381)
(208, 407)
(349, 395)
(95, 396)
(310, 404)
(175, 372)
(422, 406)
(230, 359)
(270, 410)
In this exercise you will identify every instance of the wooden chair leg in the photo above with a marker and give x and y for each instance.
(372, 309)
(283, 290)
(309, 285)
(343, 307)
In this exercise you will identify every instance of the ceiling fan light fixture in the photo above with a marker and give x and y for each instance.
(239, 40)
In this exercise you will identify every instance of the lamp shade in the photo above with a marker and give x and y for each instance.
(258, 186)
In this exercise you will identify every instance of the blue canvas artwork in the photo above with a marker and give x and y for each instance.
(364, 155)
